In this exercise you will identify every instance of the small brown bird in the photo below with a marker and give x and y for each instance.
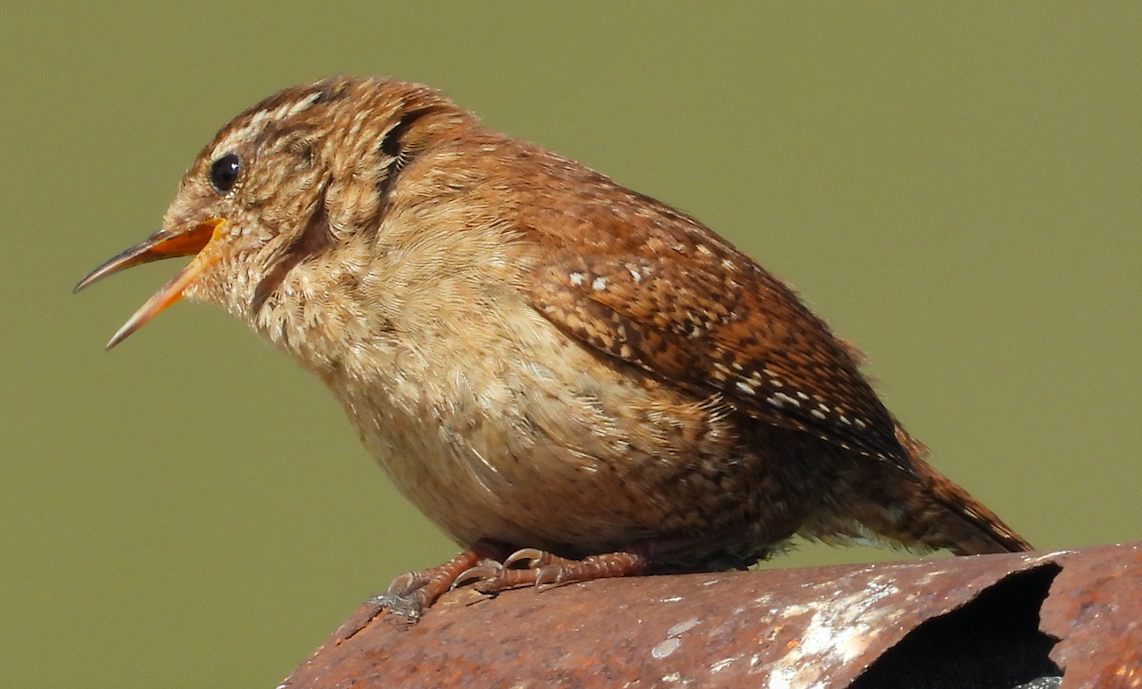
(540, 358)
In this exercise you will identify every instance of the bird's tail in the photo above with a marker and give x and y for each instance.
(957, 521)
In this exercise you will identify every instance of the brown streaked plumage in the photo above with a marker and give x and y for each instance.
(540, 358)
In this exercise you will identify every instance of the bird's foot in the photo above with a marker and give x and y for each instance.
(544, 570)
(484, 567)
(411, 593)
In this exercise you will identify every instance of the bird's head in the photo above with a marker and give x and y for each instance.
(280, 184)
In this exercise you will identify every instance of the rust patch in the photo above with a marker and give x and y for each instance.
(1095, 608)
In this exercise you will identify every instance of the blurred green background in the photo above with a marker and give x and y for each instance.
(955, 186)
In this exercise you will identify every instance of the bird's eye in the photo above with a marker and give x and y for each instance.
(224, 173)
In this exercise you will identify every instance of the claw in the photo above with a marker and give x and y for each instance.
(403, 585)
(485, 571)
(533, 556)
(549, 577)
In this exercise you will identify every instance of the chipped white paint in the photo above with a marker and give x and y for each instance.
(664, 648)
(672, 641)
(837, 631)
(682, 627)
(672, 599)
(722, 664)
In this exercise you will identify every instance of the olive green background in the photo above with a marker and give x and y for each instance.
(955, 186)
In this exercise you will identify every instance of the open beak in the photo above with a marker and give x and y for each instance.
(160, 245)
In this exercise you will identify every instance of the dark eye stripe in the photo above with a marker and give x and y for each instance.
(224, 173)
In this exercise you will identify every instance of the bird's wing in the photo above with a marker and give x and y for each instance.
(659, 290)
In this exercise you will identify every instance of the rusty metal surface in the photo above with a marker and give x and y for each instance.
(1095, 608)
(778, 628)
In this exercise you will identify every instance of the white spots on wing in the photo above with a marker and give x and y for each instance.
(746, 387)
(720, 372)
(634, 274)
(599, 284)
(817, 413)
(860, 424)
(802, 395)
(576, 279)
(782, 398)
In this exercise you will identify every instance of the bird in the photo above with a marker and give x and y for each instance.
(569, 378)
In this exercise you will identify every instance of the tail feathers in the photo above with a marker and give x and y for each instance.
(964, 526)
(919, 510)
(982, 531)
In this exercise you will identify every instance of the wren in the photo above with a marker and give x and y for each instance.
(542, 360)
